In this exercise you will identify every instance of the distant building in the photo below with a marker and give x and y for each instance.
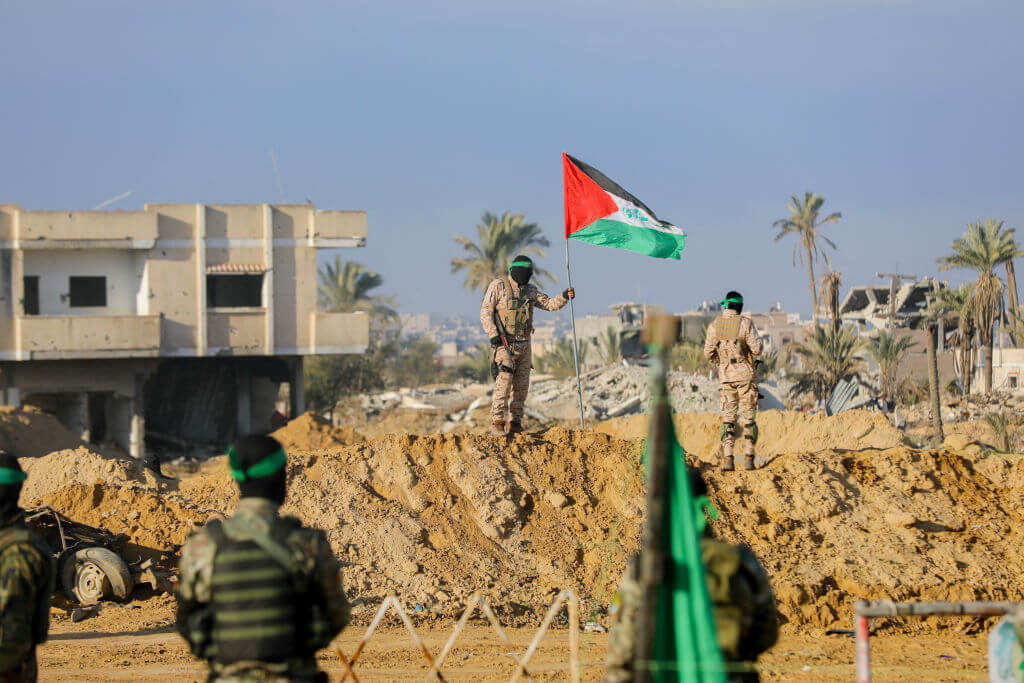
(177, 322)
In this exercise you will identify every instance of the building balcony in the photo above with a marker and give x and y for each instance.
(237, 332)
(335, 333)
(339, 228)
(43, 337)
(87, 229)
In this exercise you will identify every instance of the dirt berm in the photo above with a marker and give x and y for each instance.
(843, 511)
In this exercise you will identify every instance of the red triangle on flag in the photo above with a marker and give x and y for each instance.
(585, 201)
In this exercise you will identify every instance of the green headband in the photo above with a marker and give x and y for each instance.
(521, 264)
(9, 475)
(275, 462)
(732, 300)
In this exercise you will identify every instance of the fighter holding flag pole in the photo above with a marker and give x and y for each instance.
(601, 212)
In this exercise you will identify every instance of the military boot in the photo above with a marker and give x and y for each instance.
(498, 428)
(726, 436)
(515, 427)
(747, 462)
(726, 461)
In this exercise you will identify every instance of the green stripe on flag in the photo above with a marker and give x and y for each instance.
(610, 233)
(685, 642)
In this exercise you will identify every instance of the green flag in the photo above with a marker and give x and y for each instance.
(685, 644)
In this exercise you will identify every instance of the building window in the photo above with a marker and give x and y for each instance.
(1013, 381)
(87, 291)
(30, 302)
(234, 291)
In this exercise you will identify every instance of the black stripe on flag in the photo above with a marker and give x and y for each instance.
(609, 185)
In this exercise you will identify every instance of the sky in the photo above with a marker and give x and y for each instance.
(906, 115)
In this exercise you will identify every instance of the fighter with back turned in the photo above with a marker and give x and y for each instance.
(732, 340)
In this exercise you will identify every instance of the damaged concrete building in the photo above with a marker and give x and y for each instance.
(179, 322)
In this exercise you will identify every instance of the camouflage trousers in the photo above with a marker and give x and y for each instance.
(511, 388)
(739, 400)
(27, 671)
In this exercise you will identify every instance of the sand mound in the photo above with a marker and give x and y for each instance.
(310, 432)
(29, 432)
(149, 519)
(845, 511)
(780, 432)
(79, 466)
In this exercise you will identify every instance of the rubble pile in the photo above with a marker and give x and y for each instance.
(617, 390)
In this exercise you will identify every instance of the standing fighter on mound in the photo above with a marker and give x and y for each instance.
(733, 340)
(507, 316)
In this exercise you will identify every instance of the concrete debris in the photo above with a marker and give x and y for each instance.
(619, 390)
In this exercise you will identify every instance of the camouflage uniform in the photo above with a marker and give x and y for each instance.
(733, 339)
(27, 576)
(514, 304)
(196, 620)
(746, 621)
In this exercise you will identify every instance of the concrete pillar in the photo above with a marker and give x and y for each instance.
(243, 394)
(297, 388)
(79, 414)
(137, 433)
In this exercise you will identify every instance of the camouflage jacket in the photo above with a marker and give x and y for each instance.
(746, 621)
(733, 343)
(310, 547)
(501, 291)
(26, 586)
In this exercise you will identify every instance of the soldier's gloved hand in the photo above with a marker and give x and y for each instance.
(495, 342)
(569, 293)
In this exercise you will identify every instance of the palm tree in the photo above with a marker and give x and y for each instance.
(888, 350)
(608, 346)
(498, 241)
(955, 304)
(346, 286)
(804, 223)
(826, 358)
(830, 285)
(933, 313)
(983, 247)
(558, 361)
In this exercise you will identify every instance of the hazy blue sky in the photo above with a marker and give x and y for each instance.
(906, 115)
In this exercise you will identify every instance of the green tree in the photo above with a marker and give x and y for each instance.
(477, 364)
(347, 286)
(608, 347)
(558, 361)
(688, 356)
(888, 351)
(498, 241)
(983, 247)
(826, 358)
(804, 223)
(955, 307)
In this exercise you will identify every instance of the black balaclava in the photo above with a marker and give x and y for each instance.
(258, 464)
(521, 269)
(11, 479)
(733, 301)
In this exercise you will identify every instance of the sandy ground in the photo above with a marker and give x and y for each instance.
(479, 655)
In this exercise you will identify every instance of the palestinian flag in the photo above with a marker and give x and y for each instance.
(599, 211)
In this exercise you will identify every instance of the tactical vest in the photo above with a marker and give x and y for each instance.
(725, 566)
(260, 596)
(727, 329)
(19, 534)
(517, 313)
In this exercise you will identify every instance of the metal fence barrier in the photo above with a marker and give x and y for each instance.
(566, 598)
(865, 610)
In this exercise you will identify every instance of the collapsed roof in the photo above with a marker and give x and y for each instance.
(871, 304)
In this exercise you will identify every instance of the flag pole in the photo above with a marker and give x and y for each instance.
(575, 344)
